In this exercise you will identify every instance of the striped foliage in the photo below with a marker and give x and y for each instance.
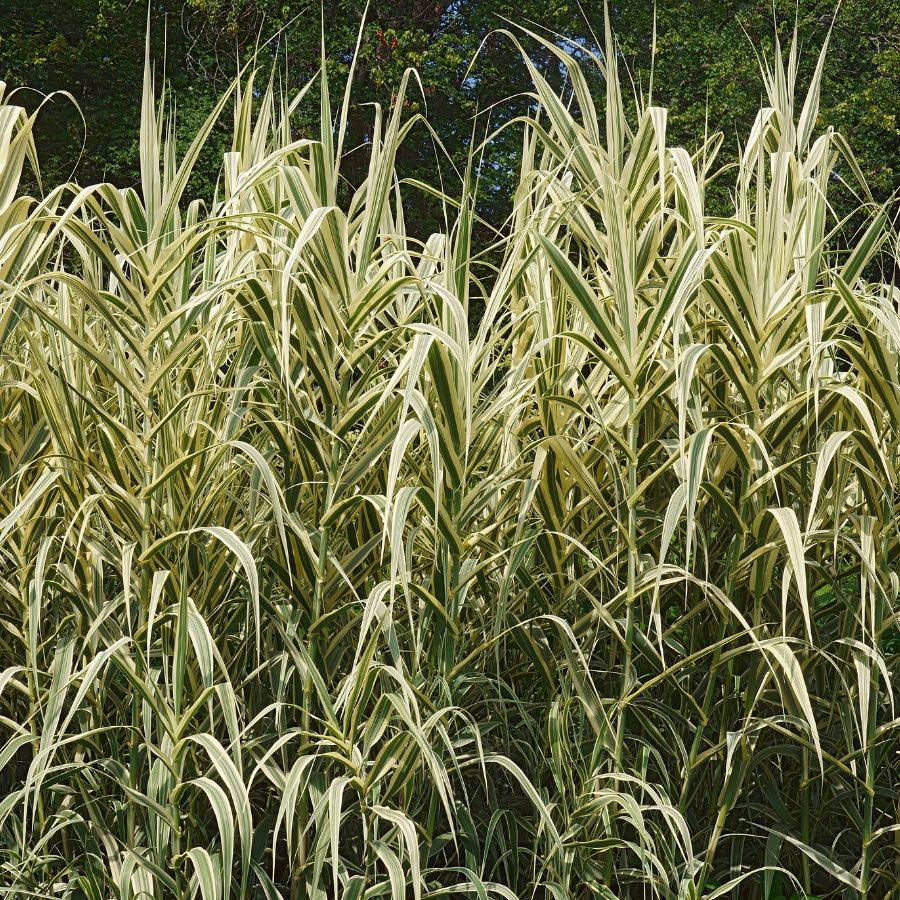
(314, 584)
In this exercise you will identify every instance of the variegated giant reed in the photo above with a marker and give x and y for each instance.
(312, 588)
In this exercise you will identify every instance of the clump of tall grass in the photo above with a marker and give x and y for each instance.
(312, 588)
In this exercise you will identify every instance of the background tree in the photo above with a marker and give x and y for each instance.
(705, 69)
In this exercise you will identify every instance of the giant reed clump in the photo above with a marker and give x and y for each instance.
(309, 588)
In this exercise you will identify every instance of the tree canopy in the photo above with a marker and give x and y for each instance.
(705, 68)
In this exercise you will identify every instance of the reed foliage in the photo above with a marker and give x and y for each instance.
(315, 585)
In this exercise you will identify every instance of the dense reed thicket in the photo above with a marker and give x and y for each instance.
(313, 585)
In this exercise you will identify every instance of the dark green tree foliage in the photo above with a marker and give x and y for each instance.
(94, 50)
(705, 68)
